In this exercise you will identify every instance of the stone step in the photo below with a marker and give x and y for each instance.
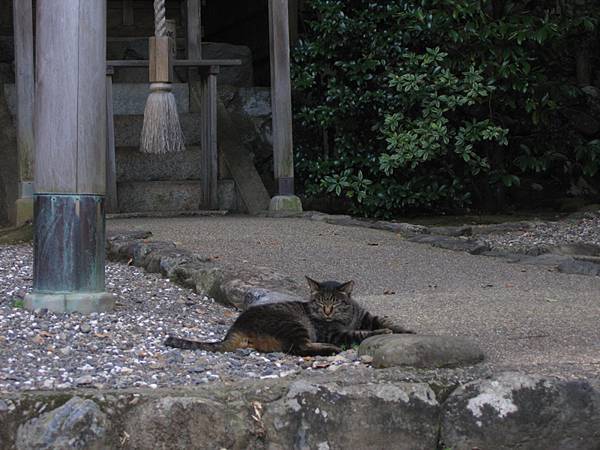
(165, 196)
(128, 129)
(128, 98)
(132, 165)
(141, 196)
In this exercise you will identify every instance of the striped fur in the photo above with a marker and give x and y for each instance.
(330, 320)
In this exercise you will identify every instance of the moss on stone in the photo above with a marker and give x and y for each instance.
(16, 235)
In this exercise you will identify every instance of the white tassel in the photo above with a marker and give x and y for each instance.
(161, 132)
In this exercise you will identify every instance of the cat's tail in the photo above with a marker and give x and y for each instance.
(187, 344)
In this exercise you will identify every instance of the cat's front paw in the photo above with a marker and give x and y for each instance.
(381, 331)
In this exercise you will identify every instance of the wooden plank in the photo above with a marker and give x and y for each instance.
(57, 80)
(91, 103)
(252, 191)
(112, 202)
(178, 62)
(25, 85)
(281, 95)
(208, 138)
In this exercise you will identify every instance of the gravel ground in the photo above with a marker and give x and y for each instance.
(547, 234)
(124, 348)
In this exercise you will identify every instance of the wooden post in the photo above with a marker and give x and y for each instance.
(70, 146)
(112, 202)
(281, 104)
(208, 137)
(194, 29)
(208, 106)
(25, 85)
(194, 50)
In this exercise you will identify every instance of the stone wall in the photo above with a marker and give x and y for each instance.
(359, 409)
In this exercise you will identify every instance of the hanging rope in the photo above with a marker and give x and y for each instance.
(160, 18)
(161, 132)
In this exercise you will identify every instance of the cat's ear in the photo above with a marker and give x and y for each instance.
(346, 288)
(313, 285)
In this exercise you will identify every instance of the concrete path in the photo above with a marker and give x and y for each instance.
(524, 317)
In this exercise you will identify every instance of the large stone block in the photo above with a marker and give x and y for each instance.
(515, 410)
(370, 416)
(143, 196)
(133, 165)
(424, 352)
(78, 424)
(188, 423)
(128, 129)
(130, 98)
(233, 75)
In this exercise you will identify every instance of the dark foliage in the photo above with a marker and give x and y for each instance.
(444, 104)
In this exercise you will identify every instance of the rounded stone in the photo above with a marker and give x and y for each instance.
(285, 203)
(424, 352)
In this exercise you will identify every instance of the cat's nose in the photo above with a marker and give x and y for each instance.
(328, 310)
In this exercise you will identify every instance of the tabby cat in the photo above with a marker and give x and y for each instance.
(329, 320)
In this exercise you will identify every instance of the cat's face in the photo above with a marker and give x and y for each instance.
(330, 301)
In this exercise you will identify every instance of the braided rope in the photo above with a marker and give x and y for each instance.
(160, 18)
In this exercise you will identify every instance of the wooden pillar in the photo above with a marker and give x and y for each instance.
(25, 85)
(112, 202)
(281, 104)
(208, 137)
(70, 147)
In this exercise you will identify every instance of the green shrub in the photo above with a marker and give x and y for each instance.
(436, 105)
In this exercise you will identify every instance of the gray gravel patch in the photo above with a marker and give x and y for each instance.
(124, 348)
(544, 236)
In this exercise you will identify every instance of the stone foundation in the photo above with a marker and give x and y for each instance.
(358, 409)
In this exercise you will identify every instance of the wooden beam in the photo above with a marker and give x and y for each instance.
(25, 85)
(208, 137)
(281, 96)
(177, 63)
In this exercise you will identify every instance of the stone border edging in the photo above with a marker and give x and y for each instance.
(240, 288)
(362, 409)
(464, 238)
